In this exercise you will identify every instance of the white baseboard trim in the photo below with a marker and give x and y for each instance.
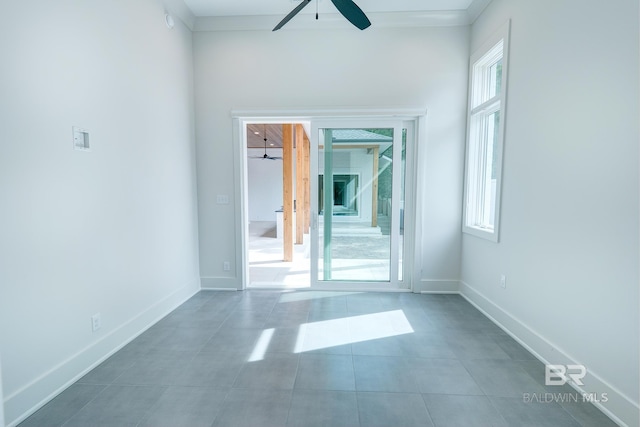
(220, 283)
(619, 407)
(439, 292)
(22, 403)
(427, 286)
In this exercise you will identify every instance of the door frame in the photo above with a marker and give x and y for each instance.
(242, 117)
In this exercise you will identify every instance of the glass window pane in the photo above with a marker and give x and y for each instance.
(495, 79)
(487, 76)
(490, 168)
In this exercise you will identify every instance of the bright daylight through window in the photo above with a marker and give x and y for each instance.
(485, 138)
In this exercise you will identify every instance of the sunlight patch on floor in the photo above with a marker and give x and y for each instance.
(349, 330)
(262, 345)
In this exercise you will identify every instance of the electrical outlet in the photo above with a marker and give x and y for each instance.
(503, 281)
(96, 322)
(226, 266)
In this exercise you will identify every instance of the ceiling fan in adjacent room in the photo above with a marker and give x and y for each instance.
(265, 156)
(347, 8)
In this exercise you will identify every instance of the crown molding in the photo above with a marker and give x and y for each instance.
(476, 8)
(337, 21)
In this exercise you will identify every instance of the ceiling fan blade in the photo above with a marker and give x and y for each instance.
(291, 14)
(353, 13)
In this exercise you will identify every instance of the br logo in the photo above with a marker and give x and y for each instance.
(560, 374)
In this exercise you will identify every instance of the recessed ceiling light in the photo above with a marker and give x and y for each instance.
(257, 133)
(272, 145)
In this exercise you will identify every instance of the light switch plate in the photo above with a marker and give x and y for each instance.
(81, 139)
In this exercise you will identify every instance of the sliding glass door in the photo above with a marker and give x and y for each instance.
(358, 170)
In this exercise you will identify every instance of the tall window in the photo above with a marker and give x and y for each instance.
(485, 138)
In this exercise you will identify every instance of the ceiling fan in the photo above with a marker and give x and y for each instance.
(266, 156)
(347, 8)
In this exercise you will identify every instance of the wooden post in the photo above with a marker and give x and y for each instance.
(374, 188)
(300, 201)
(287, 191)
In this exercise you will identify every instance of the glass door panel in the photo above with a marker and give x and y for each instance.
(355, 204)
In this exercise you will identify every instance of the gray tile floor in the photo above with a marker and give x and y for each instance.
(267, 358)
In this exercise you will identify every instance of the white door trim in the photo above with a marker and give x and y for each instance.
(242, 117)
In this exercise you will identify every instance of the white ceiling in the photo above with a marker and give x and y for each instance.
(219, 8)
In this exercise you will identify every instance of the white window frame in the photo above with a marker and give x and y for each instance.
(478, 206)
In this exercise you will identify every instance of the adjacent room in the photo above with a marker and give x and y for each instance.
(459, 178)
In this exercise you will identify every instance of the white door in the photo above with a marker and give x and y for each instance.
(360, 207)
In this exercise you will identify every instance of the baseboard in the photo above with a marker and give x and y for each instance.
(425, 286)
(619, 407)
(33, 396)
(220, 283)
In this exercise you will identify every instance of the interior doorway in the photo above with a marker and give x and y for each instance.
(277, 165)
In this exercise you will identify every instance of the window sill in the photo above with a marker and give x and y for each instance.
(483, 233)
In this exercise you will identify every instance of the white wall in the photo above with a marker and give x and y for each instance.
(569, 232)
(264, 182)
(113, 230)
(341, 68)
(1, 399)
